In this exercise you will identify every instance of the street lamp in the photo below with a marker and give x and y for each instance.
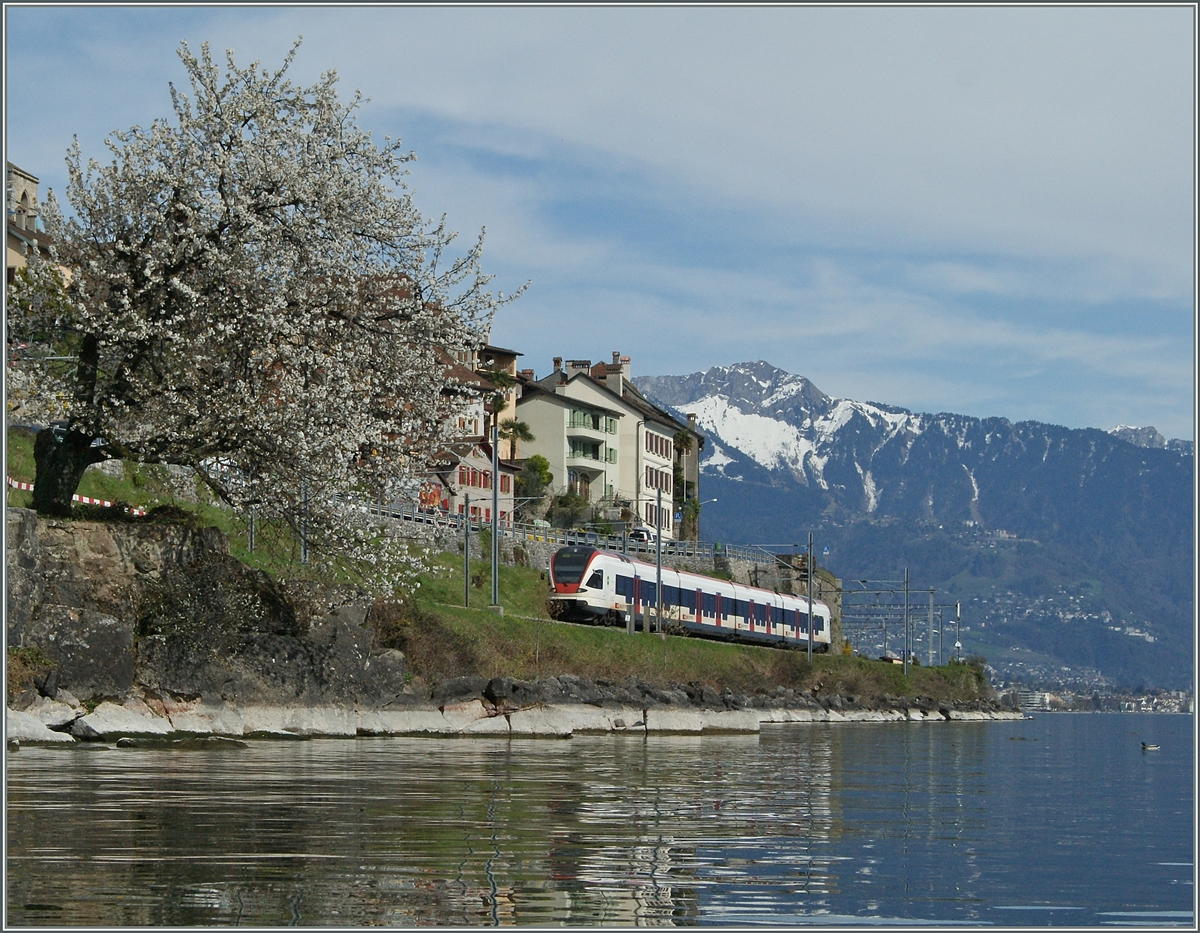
(698, 504)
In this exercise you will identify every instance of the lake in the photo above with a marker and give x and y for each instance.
(1061, 820)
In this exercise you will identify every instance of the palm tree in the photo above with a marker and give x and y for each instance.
(512, 431)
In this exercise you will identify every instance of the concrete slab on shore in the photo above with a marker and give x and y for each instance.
(472, 717)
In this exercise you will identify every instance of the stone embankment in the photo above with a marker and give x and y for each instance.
(144, 630)
(470, 706)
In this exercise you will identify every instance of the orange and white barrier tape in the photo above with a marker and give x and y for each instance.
(28, 487)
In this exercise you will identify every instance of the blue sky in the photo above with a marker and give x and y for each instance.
(987, 211)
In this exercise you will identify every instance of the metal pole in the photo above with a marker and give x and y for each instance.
(906, 621)
(810, 605)
(941, 638)
(958, 630)
(467, 550)
(251, 532)
(495, 515)
(657, 563)
(931, 628)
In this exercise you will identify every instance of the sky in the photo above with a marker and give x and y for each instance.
(981, 210)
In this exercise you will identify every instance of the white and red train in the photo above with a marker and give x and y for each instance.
(589, 585)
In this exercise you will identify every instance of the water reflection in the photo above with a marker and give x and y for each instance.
(924, 823)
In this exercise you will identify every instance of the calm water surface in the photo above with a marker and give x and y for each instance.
(1059, 820)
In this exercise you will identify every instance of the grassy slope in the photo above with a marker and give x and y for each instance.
(443, 639)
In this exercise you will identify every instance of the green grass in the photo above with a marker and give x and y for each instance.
(443, 639)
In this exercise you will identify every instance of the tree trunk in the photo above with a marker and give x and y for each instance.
(61, 458)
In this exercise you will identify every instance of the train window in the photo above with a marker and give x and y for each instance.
(570, 562)
(625, 586)
(709, 601)
(596, 580)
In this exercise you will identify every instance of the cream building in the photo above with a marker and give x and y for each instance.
(604, 441)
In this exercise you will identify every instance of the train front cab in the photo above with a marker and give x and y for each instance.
(573, 596)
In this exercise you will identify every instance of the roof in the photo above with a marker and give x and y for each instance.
(534, 387)
(488, 348)
(631, 397)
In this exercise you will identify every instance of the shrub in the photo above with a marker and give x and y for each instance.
(26, 666)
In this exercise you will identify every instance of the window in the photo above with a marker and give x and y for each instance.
(463, 476)
(596, 580)
(505, 483)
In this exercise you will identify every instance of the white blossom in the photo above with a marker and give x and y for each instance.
(251, 283)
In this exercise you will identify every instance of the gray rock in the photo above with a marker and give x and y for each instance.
(109, 719)
(459, 688)
(91, 650)
(23, 728)
(52, 713)
(498, 689)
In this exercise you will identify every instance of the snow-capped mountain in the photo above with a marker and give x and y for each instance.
(1149, 437)
(884, 486)
(869, 457)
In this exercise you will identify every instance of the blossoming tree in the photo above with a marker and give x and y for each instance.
(249, 291)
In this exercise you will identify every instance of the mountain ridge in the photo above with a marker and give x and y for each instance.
(1113, 508)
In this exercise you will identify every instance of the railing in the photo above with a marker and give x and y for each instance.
(436, 519)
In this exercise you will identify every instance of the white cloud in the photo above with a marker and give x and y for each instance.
(938, 207)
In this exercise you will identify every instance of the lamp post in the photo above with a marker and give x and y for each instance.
(495, 517)
(810, 605)
(467, 550)
(657, 563)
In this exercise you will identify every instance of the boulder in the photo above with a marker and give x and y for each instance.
(109, 719)
(498, 689)
(92, 651)
(459, 688)
(21, 727)
(53, 713)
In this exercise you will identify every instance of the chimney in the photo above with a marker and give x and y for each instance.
(613, 375)
(576, 366)
(528, 374)
(557, 364)
(691, 422)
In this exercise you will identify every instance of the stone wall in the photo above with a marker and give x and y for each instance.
(162, 611)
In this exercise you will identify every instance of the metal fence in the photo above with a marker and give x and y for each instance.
(409, 512)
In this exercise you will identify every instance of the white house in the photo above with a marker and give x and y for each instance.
(604, 440)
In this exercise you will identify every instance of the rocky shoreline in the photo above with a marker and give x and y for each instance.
(557, 707)
(136, 631)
